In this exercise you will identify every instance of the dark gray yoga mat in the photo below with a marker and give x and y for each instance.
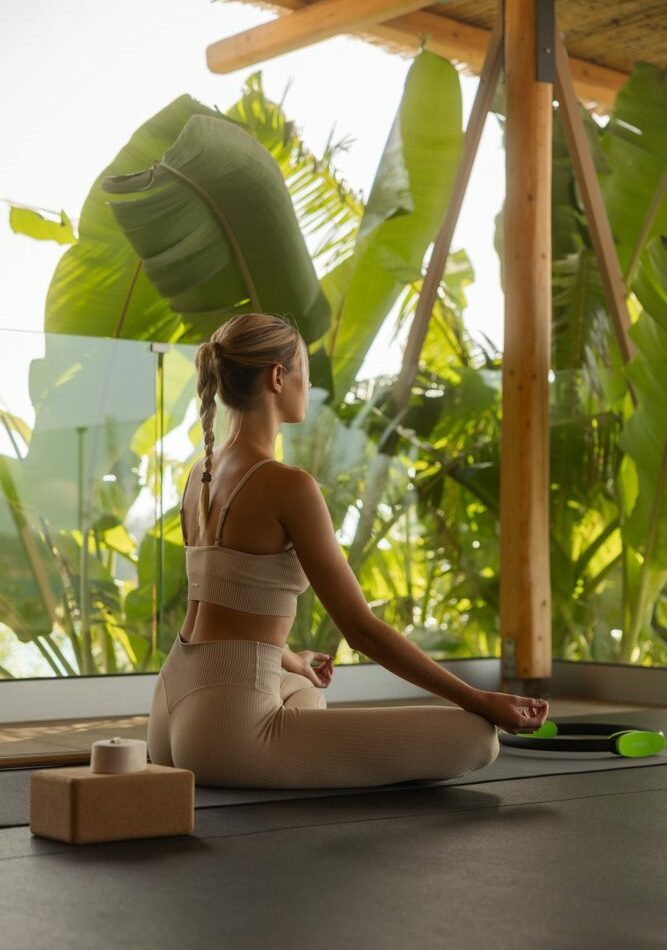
(510, 764)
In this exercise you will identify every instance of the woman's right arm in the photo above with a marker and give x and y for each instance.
(306, 518)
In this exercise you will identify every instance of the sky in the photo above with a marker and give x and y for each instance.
(78, 78)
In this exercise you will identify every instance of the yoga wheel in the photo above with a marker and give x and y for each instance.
(554, 735)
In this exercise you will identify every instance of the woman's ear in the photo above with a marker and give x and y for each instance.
(276, 376)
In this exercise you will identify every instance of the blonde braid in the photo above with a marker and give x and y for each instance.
(246, 344)
(207, 386)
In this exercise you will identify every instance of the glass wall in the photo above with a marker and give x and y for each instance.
(98, 436)
(79, 465)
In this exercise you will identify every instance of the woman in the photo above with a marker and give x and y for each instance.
(232, 702)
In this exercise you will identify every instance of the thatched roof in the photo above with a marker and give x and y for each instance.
(614, 34)
(603, 38)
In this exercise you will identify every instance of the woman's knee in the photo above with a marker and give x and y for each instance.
(310, 697)
(298, 690)
(486, 739)
(292, 682)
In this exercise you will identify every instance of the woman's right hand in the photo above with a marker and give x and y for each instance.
(512, 713)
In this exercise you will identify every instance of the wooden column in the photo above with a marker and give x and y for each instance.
(525, 592)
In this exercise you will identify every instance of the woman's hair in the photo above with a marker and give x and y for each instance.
(231, 364)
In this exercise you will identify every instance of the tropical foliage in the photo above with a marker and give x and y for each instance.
(170, 244)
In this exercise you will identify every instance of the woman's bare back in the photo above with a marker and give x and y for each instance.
(250, 525)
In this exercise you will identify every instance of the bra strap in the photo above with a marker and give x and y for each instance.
(223, 510)
(182, 508)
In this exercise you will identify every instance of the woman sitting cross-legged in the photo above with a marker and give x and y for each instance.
(232, 702)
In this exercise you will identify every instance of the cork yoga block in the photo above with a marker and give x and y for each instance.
(79, 806)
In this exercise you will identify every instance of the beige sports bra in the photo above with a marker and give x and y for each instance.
(256, 583)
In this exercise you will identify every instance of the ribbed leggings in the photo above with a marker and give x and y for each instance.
(228, 711)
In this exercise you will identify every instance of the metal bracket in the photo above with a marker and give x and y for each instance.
(545, 41)
(508, 657)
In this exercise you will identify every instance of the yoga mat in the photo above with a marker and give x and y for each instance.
(510, 764)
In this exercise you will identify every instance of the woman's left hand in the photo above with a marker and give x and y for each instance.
(319, 675)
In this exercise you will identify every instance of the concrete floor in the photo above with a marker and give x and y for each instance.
(565, 861)
(561, 861)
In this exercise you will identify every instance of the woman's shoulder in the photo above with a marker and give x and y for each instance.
(290, 481)
(288, 477)
(226, 458)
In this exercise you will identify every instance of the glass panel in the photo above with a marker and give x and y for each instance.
(98, 437)
(608, 515)
(77, 505)
(420, 527)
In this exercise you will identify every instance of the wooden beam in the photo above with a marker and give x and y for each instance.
(447, 37)
(454, 39)
(596, 213)
(310, 24)
(525, 590)
(467, 44)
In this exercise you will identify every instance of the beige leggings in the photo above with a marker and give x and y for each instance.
(229, 712)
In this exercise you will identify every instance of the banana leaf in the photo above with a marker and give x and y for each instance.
(645, 433)
(32, 224)
(327, 209)
(214, 225)
(635, 146)
(106, 278)
(99, 287)
(404, 210)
